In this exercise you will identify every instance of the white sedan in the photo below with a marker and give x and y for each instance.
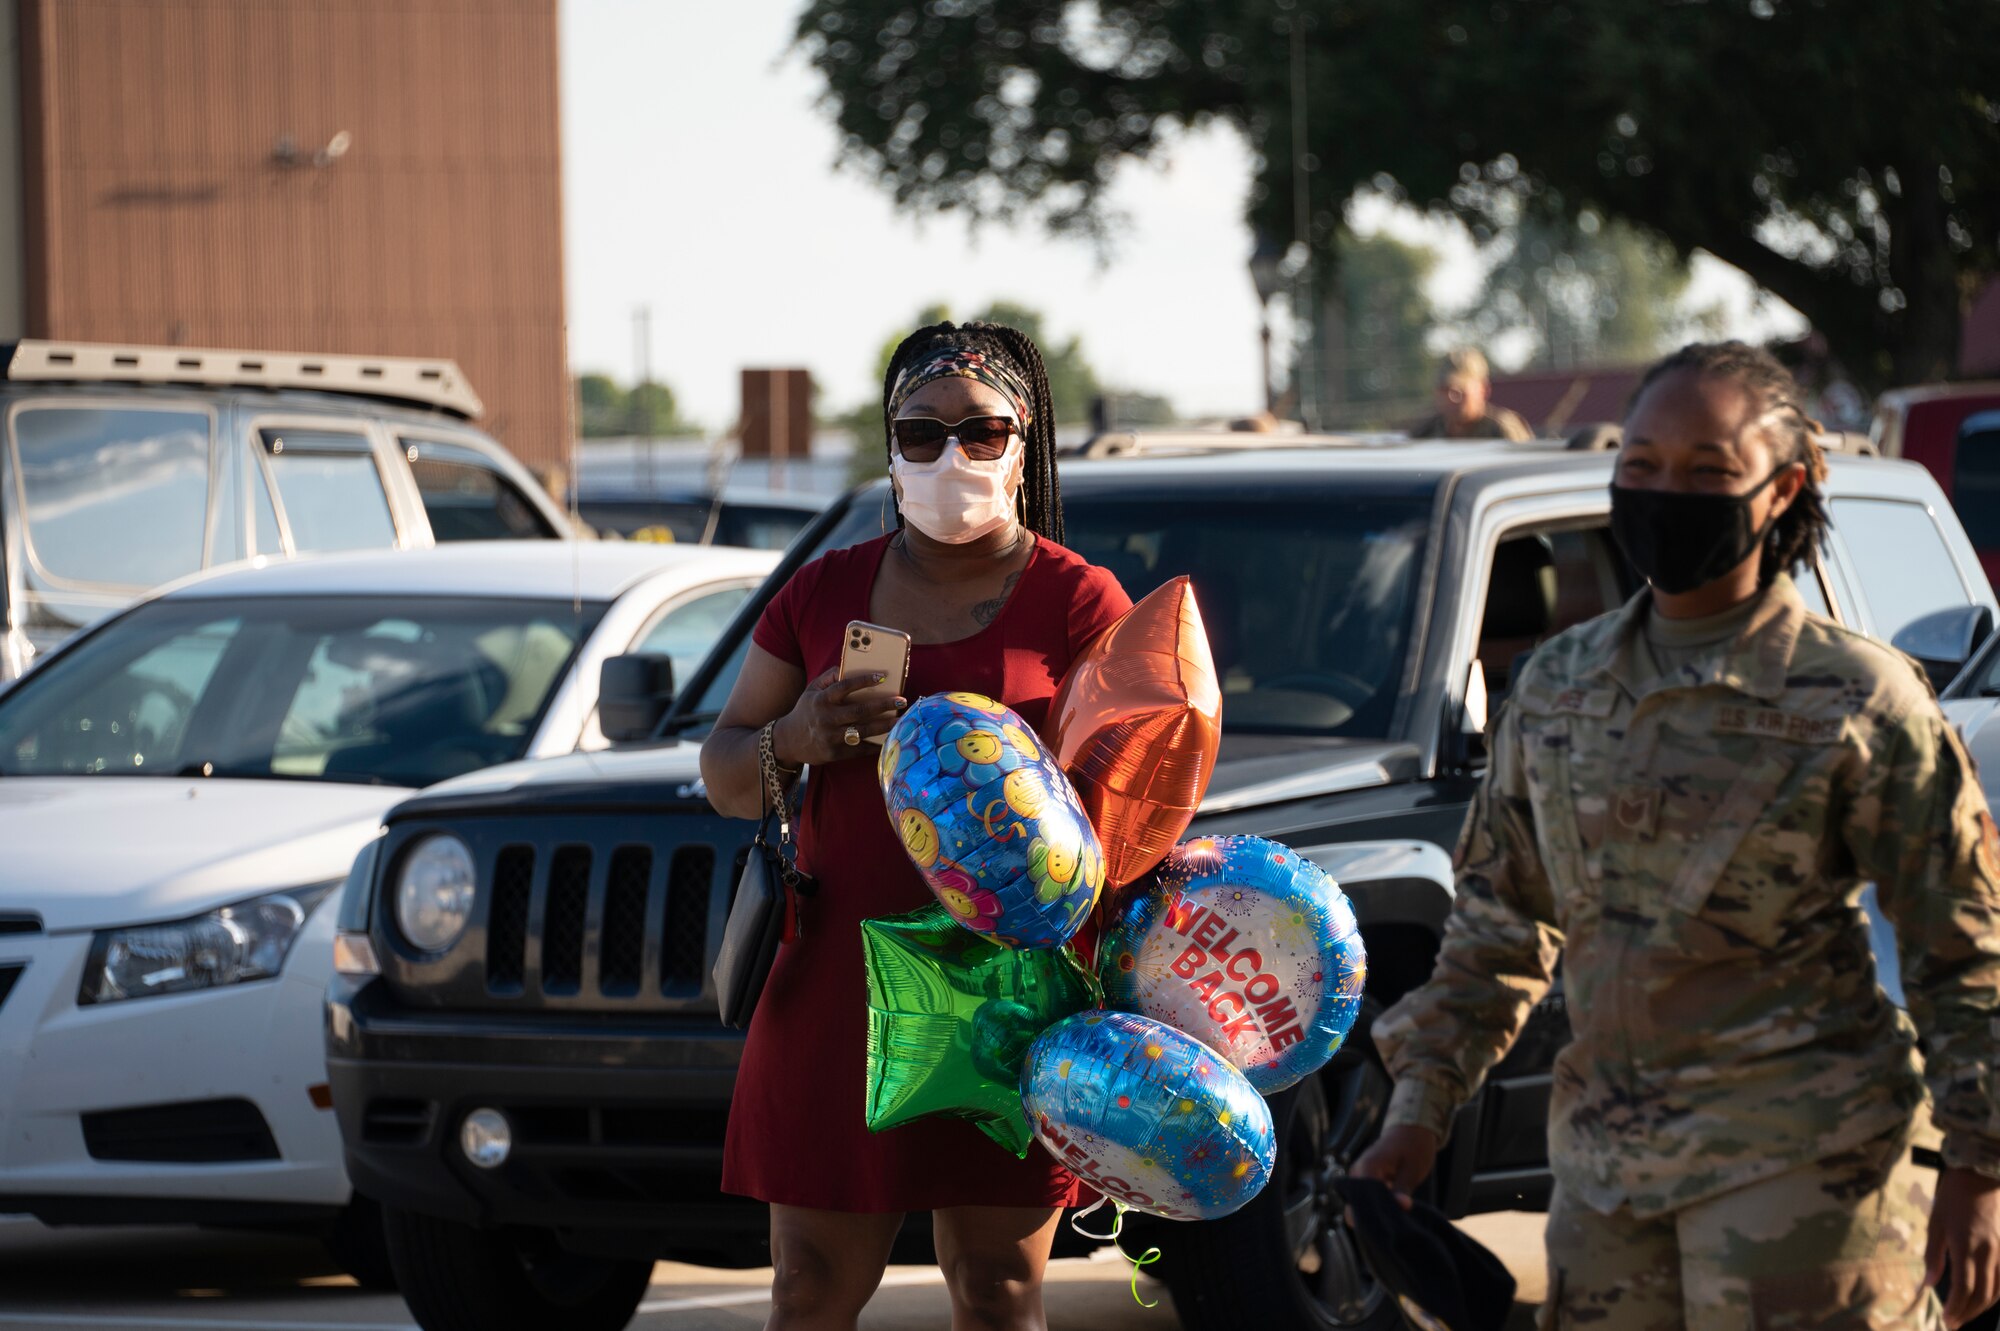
(181, 789)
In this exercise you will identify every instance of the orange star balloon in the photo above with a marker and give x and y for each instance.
(1136, 724)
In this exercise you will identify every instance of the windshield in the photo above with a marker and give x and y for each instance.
(1308, 598)
(400, 691)
(683, 520)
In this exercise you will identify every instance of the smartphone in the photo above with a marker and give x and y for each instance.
(873, 649)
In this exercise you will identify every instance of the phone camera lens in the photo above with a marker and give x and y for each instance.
(868, 642)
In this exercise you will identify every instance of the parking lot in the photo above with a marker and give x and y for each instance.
(175, 1279)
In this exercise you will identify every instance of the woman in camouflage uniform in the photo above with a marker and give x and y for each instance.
(1684, 801)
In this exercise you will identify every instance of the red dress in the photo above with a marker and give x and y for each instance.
(796, 1134)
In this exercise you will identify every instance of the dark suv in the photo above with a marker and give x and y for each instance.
(540, 1106)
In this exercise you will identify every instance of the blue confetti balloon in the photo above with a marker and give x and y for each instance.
(1247, 946)
(1148, 1116)
(990, 820)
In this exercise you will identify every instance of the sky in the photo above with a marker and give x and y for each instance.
(700, 184)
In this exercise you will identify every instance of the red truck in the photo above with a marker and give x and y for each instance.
(1953, 430)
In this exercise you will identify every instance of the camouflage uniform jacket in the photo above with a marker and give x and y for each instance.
(1694, 848)
(1497, 423)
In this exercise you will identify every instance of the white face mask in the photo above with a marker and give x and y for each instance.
(955, 499)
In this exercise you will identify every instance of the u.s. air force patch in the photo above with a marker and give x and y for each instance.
(1774, 723)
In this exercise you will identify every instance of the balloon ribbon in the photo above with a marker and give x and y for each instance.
(1139, 1263)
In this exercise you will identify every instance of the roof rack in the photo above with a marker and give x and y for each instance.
(1846, 441)
(1605, 436)
(430, 383)
(1161, 443)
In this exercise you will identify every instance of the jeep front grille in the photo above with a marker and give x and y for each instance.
(563, 925)
(625, 920)
(507, 931)
(597, 917)
(684, 951)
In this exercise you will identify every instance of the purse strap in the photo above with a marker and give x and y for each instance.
(772, 800)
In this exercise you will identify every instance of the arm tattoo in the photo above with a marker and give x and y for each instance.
(988, 611)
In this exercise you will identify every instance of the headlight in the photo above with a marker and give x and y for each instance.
(246, 941)
(434, 892)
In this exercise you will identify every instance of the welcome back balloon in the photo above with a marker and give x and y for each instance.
(1247, 946)
(990, 820)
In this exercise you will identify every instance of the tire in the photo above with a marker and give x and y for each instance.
(458, 1278)
(356, 1242)
(1286, 1261)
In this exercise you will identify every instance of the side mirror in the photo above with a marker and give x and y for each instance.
(1944, 640)
(633, 693)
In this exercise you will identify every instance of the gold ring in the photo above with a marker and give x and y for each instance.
(852, 735)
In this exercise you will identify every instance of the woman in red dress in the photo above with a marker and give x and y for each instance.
(995, 605)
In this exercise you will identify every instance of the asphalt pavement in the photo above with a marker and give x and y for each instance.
(214, 1280)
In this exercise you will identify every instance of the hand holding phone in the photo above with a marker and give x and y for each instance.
(872, 649)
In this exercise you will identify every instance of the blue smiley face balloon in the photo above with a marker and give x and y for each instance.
(990, 820)
(1148, 1116)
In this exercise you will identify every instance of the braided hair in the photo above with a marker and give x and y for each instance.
(1801, 529)
(1041, 494)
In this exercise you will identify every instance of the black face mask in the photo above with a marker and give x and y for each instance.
(1681, 540)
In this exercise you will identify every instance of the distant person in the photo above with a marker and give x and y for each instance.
(1465, 407)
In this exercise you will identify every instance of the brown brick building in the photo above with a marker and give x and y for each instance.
(376, 176)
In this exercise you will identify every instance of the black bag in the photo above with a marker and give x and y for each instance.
(763, 914)
(1438, 1275)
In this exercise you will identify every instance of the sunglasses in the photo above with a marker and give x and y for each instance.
(922, 439)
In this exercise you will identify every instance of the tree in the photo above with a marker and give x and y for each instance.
(1073, 385)
(609, 410)
(1845, 154)
(1593, 293)
(600, 406)
(1384, 317)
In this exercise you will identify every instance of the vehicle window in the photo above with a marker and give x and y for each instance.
(1540, 584)
(226, 540)
(114, 496)
(1900, 559)
(687, 631)
(1975, 485)
(399, 691)
(716, 694)
(268, 540)
(467, 500)
(1308, 600)
(331, 489)
(647, 520)
(759, 528)
(1811, 591)
(134, 715)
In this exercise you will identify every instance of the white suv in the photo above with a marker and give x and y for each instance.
(122, 468)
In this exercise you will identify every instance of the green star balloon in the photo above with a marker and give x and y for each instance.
(951, 1015)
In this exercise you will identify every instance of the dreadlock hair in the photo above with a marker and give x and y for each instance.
(1801, 529)
(1041, 494)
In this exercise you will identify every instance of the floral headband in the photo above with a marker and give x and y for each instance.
(958, 363)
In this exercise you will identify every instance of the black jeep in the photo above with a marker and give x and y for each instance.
(540, 1107)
